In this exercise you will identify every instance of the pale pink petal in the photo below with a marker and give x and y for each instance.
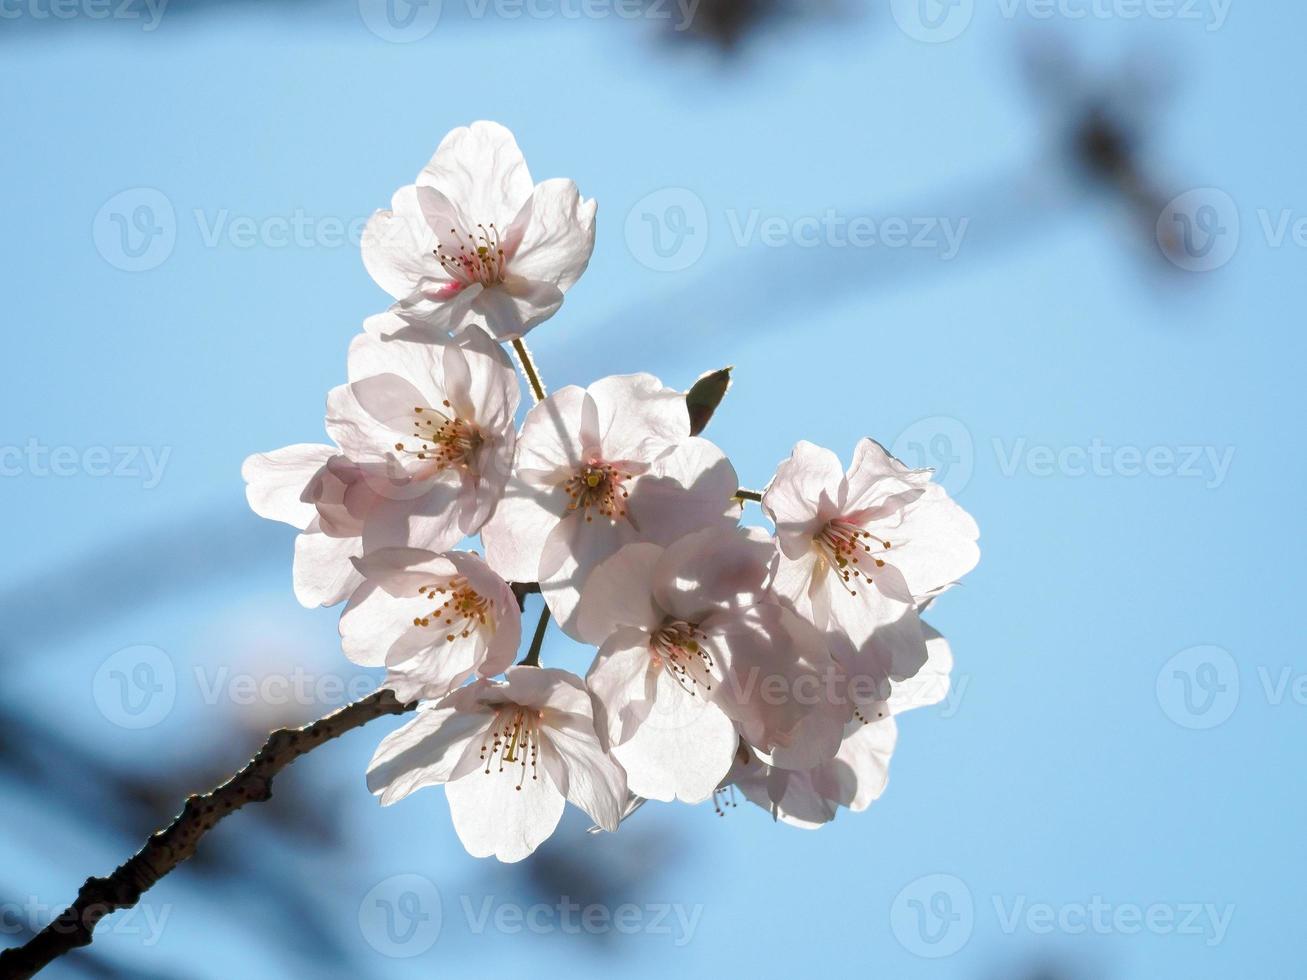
(425, 750)
(398, 246)
(933, 542)
(930, 685)
(481, 167)
(374, 620)
(690, 488)
(560, 694)
(620, 594)
(495, 818)
(637, 409)
(550, 447)
(558, 236)
(877, 638)
(803, 495)
(493, 391)
(858, 774)
(323, 573)
(799, 583)
(621, 681)
(403, 571)
(428, 521)
(421, 667)
(595, 781)
(512, 307)
(875, 475)
(360, 435)
(781, 685)
(503, 633)
(789, 797)
(514, 536)
(443, 308)
(276, 482)
(712, 570)
(570, 554)
(681, 749)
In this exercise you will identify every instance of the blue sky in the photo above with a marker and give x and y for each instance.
(1120, 429)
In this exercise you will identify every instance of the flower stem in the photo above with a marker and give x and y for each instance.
(171, 846)
(743, 494)
(532, 658)
(528, 366)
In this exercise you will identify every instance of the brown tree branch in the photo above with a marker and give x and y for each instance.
(177, 842)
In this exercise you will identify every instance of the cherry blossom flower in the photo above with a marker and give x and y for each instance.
(508, 753)
(474, 241)
(432, 620)
(426, 441)
(431, 425)
(658, 616)
(859, 551)
(326, 496)
(598, 468)
(859, 772)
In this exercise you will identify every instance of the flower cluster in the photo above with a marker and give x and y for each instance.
(727, 657)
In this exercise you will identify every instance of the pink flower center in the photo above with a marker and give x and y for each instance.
(845, 547)
(474, 258)
(598, 487)
(678, 647)
(448, 443)
(463, 611)
(514, 738)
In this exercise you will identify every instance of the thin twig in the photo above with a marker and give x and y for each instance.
(532, 658)
(743, 494)
(523, 589)
(528, 366)
(170, 847)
